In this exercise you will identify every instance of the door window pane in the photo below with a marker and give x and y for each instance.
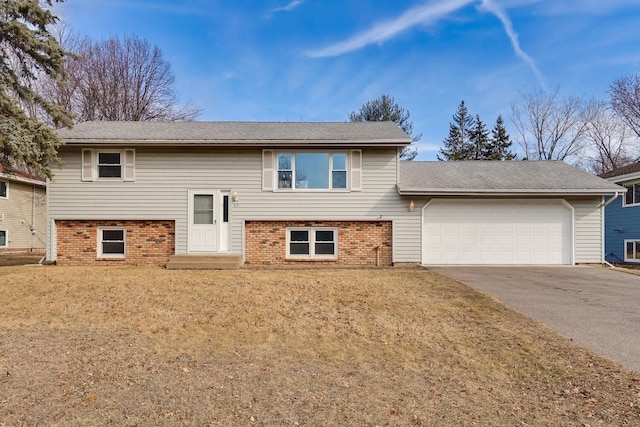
(203, 209)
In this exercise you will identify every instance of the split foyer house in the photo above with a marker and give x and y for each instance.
(23, 215)
(622, 217)
(308, 193)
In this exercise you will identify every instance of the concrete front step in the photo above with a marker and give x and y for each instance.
(205, 262)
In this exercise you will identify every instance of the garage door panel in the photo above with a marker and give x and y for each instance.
(497, 232)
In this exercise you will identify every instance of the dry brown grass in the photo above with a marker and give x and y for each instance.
(147, 346)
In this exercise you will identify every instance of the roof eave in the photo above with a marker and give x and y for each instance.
(237, 143)
(23, 179)
(510, 192)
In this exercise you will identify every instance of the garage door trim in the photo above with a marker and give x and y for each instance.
(558, 201)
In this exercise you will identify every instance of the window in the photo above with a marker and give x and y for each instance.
(632, 196)
(4, 189)
(632, 250)
(312, 170)
(108, 164)
(111, 242)
(4, 242)
(312, 242)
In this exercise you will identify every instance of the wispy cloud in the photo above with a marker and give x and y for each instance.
(288, 8)
(421, 15)
(500, 13)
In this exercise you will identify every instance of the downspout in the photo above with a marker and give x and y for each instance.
(602, 206)
(33, 215)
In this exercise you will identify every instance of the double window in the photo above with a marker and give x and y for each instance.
(632, 196)
(312, 242)
(112, 242)
(632, 250)
(4, 242)
(108, 164)
(312, 170)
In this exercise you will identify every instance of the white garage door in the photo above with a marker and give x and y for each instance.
(497, 232)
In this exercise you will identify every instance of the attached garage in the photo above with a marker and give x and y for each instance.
(494, 232)
(501, 213)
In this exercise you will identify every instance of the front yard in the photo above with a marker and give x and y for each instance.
(147, 346)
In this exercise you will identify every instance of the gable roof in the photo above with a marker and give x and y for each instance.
(236, 133)
(624, 170)
(500, 178)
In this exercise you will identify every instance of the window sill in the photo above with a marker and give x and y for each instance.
(631, 206)
(311, 259)
(119, 258)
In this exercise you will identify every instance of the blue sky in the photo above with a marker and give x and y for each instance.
(318, 60)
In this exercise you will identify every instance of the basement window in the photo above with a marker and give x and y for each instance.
(112, 242)
(312, 243)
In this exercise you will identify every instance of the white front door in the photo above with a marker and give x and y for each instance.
(203, 221)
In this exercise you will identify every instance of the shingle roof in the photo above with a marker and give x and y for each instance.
(495, 177)
(624, 170)
(20, 175)
(236, 133)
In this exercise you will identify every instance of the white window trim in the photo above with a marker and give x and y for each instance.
(312, 234)
(6, 238)
(90, 158)
(637, 242)
(6, 186)
(100, 241)
(276, 170)
(624, 196)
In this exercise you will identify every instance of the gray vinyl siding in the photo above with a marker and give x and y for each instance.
(164, 176)
(24, 207)
(588, 230)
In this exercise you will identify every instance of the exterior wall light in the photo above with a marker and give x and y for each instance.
(235, 197)
(411, 206)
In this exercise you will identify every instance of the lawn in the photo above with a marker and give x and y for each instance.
(407, 347)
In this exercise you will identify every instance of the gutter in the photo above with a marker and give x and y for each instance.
(510, 192)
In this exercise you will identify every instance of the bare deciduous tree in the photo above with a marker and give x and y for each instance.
(118, 79)
(612, 143)
(550, 128)
(625, 100)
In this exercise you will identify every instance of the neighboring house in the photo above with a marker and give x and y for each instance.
(308, 193)
(23, 215)
(622, 217)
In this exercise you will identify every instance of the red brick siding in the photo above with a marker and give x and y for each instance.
(147, 242)
(358, 242)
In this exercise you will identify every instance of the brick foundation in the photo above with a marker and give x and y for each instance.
(148, 242)
(360, 243)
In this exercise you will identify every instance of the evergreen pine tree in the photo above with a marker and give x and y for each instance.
(28, 48)
(385, 108)
(499, 144)
(478, 140)
(457, 145)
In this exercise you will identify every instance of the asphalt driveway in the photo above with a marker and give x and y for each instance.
(596, 307)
